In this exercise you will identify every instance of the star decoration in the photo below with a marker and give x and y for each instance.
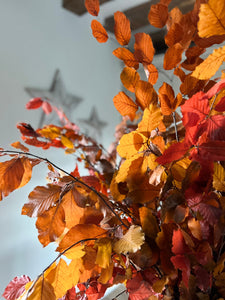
(93, 124)
(57, 96)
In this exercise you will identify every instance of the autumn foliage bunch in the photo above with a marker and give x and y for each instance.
(153, 217)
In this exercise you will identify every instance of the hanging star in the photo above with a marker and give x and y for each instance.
(93, 124)
(57, 96)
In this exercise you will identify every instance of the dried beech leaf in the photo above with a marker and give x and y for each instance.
(173, 56)
(122, 28)
(210, 65)
(127, 56)
(211, 18)
(158, 15)
(143, 48)
(99, 31)
(129, 78)
(92, 7)
(125, 105)
(131, 241)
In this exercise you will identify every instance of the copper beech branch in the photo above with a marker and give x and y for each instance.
(73, 177)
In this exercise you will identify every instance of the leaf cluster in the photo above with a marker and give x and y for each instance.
(155, 221)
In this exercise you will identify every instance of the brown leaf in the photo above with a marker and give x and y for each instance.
(92, 7)
(127, 56)
(129, 78)
(122, 28)
(99, 31)
(125, 105)
(143, 48)
(158, 15)
(41, 199)
(173, 56)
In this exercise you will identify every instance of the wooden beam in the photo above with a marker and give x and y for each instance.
(138, 15)
(77, 6)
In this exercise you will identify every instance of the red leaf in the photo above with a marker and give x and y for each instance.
(34, 103)
(179, 245)
(203, 278)
(182, 263)
(195, 109)
(47, 108)
(92, 7)
(216, 88)
(212, 151)
(27, 130)
(220, 106)
(16, 287)
(96, 291)
(174, 152)
(139, 289)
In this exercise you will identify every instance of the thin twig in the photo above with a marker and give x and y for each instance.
(75, 179)
(115, 298)
(175, 126)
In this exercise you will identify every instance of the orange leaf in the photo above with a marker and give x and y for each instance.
(125, 105)
(20, 146)
(144, 50)
(80, 232)
(51, 225)
(167, 99)
(41, 199)
(122, 28)
(174, 35)
(172, 57)
(145, 94)
(92, 7)
(152, 73)
(129, 77)
(158, 15)
(127, 56)
(11, 175)
(152, 117)
(99, 31)
(211, 18)
(148, 222)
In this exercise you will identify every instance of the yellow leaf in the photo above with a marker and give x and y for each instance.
(152, 117)
(75, 252)
(66, 142)
(131, 242)
(104, 252)
(211, 18)
(106, 274)
(63, 277)
(131, 143)
(42, 290)
(219, 177)
(50, 132)
(210, 65)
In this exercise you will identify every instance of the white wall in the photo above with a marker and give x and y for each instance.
(37, 37)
